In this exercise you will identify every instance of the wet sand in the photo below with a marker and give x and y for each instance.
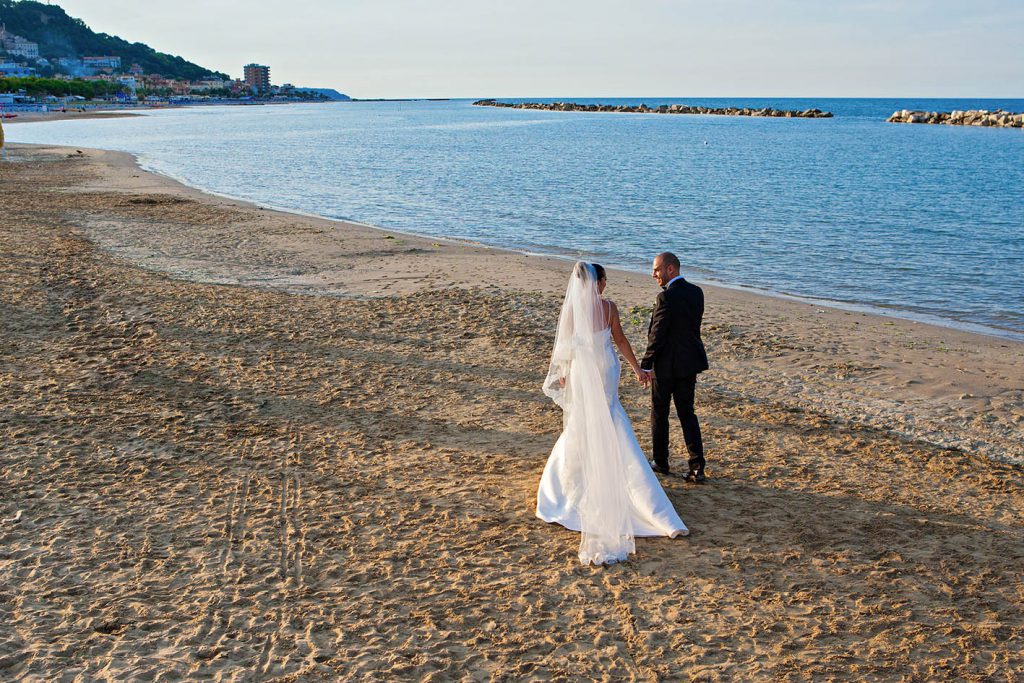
(57, 115)
(241, 444)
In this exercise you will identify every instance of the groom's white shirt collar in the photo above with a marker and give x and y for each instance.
(669, 283)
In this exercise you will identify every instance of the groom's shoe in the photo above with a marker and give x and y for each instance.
(695, 477)
(658, 468)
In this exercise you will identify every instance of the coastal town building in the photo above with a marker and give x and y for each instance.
(12, 70)
(135, 84)
(114, 78)
(89, 66)
(155, 81)
(101, 63)
(16, 45)
(208, 84)
(130, 83)
(257, 76)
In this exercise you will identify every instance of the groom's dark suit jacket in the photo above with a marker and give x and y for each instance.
(674, 346)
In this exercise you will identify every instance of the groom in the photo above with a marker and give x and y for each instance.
(675, 355)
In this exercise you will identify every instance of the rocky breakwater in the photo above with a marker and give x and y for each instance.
(974, 117)
(662, 109)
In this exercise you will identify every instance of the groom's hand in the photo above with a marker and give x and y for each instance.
(645, 377)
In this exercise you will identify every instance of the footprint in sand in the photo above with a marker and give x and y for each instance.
(12, 520)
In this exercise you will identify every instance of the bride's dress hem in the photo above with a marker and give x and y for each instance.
(675, 533)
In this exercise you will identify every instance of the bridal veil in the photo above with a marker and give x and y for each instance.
(594, 468)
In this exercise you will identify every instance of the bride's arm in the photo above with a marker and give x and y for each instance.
(620, 341)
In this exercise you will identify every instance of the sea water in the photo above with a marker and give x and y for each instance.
(915, 220)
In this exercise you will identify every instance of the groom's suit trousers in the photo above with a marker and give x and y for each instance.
(664, 391)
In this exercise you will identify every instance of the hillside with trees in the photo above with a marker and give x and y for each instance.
(60, 35)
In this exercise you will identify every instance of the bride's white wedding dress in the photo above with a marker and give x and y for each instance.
(597, 480)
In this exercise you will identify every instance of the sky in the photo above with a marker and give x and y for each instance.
(593, 48)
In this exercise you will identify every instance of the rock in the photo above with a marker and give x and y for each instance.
(660, 109)
(979, 117)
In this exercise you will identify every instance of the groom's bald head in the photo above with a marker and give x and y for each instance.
(666, 267)
(669, 259)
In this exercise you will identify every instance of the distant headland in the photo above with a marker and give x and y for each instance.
(662, 109)
(50, 59)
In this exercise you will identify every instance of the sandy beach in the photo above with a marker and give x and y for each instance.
(58, 115)
(241, 444)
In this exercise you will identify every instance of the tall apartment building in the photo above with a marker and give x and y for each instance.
(257, 76)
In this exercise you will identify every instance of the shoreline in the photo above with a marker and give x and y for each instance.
(889, 306)
(40, 117)
(244, 442)
(933, 320)
(1005, 334)
(112, 112)
(304, 264)
(705, 280)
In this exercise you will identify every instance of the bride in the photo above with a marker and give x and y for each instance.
(597, 479)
